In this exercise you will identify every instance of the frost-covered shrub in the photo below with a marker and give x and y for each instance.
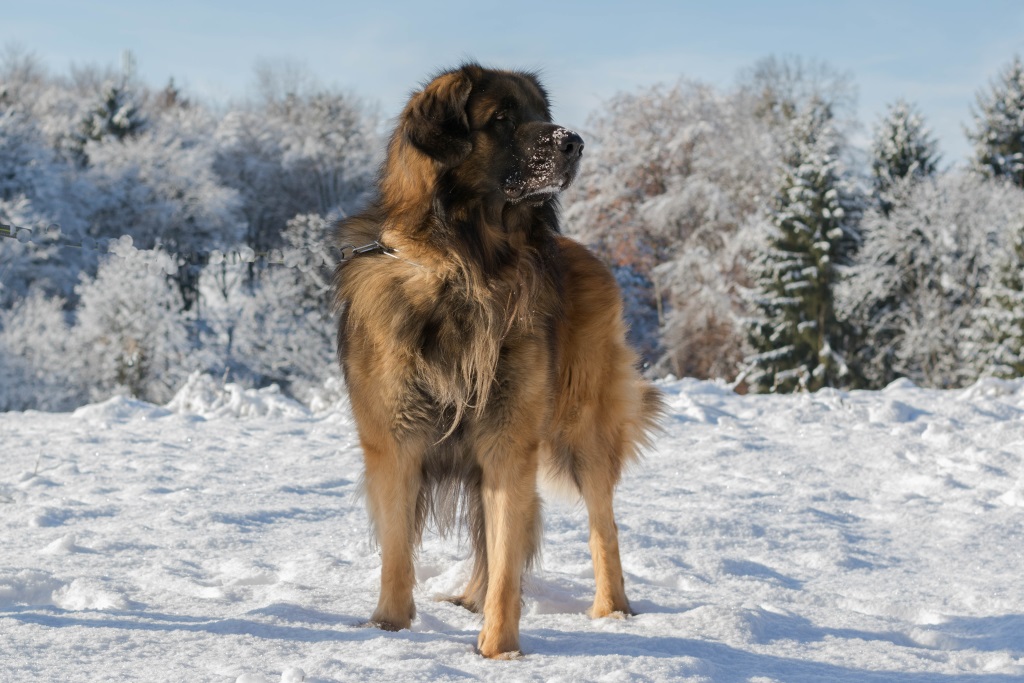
(19, 253)
(131, 334)
(640, 304)
(702, 333)
(279, 329)
(36, 369)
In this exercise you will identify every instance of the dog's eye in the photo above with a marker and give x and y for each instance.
(502, 116)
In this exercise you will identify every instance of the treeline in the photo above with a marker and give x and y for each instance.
(152, 189)
(756, 244)
(752, 241)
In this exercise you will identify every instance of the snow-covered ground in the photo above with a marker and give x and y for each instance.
(864, 536)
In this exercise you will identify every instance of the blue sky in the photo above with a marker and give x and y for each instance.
(937, 54)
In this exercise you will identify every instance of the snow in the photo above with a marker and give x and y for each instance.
(860, 536)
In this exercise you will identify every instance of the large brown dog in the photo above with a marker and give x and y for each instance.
(482, 349)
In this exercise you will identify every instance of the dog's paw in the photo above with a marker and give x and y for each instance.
(459, 601)
(385, 625)
(610, 610)
(494, 645)
(508, 656)
(392, 622)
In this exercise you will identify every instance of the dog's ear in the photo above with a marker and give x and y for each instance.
(435, 121)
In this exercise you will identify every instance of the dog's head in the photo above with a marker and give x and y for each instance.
(491, 133)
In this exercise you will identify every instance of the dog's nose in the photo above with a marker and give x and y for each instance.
(571, 145)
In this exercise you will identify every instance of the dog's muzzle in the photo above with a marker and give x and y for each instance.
(551, 164)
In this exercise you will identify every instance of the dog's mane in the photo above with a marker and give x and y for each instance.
(492, 260)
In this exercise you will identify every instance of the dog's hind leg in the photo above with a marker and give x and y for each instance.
(392, 483)
(598, 488)
(472, 598)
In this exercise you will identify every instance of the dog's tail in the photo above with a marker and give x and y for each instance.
(649, 423)
(653, 409)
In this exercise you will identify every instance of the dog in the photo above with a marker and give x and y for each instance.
(482, 349)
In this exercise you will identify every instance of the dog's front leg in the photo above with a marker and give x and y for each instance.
(392, 482)
(512, 523)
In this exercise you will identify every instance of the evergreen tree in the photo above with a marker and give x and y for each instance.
(999, 126)
(171, 97)
(1001, 317)
(903, 151)
(903, 154)
(799, 341)
(117, 115)
(920, 279)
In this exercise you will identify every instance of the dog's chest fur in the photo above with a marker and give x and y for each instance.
(467, 328)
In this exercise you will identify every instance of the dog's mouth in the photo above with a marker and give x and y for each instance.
(547, 185)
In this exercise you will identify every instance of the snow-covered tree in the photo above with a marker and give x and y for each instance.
(27, 251)
(903, 150)
(95, 156)
(170, 97)
(998, 134)
(299, 149)
(669, 176)
(117, 114)
(160, 188)
(37, 203)
(799, 339)
(330, 140)
(903, 153)
(279, 329)
(131, 334)
(24, 160)
(36, 370)
(998, 329)
(21, 74)
(919, 276)
(780, 87)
